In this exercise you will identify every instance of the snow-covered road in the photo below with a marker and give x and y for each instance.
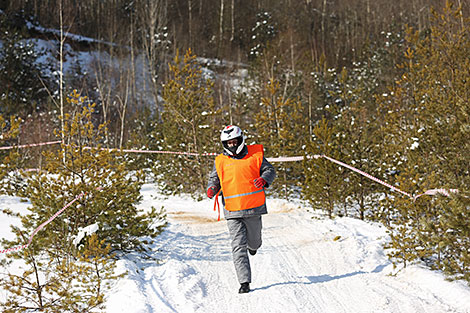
(306, 264)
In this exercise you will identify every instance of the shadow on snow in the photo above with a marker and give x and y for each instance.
(321, 278)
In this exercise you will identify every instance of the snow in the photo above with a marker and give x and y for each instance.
(414, 145)
(74, 37)
(17, 206)
(307, 263)
(88, 230)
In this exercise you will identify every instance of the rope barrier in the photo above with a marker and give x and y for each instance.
(431, 192)
(31, 145)
(277, 159)
(367, 175)
(155, 151)
(43, 225)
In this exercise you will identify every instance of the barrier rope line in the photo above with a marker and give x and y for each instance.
(156, 151)
(367, 175)
(42, 226)
(277, 159)
(431, 192)
(31, 145)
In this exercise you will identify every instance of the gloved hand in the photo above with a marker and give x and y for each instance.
(259, 182)
(211, 192)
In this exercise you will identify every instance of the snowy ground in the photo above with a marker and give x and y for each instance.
(305, 265)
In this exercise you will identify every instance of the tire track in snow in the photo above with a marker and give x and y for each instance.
(289, 250)
(299, 268)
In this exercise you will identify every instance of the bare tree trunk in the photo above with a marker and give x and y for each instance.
(153, 18)
(61, 76)
(356, 32)
(61, 72)
(38, 282)
(292, 51)
(122, 113)
(323, 16)
(104, 89)
(461, 16)
(232, 36)
(286, 194)
(229, 91)
(199, 170)
(104, 76)
(190, 22)
(368, 12)
(221, 27)
(133, 79)
(129, 79)
(310, 121)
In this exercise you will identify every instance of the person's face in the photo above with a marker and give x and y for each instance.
(232, 142)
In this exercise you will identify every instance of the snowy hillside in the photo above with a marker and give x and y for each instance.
(306, 264)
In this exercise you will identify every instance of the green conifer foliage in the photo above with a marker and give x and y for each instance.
(352, 106)
(456, 261)
(21, 75)
(188, 125)
(323, 179)
(110, 191)
(59, 282)
(358, 127)
(8, 132)
(402, 218)
(279, 126)
(62, 271)
(429, 128)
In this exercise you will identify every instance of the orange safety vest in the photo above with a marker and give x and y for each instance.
(236, 179)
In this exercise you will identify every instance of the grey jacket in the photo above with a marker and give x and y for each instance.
(267, 172)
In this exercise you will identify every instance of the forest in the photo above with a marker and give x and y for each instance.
(381, 85)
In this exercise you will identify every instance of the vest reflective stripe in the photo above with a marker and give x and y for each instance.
(236, 179)
(243, 194)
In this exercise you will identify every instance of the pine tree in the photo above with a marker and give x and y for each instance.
(429, 122)
(51, 281)
(81, 166)
(188, 125)
(60, 274)
(456, 261)
(352, 106)
(323, 179)
(403, 217)
(356, 122)
(278, 124)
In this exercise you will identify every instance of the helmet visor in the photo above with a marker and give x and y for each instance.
(232, 145)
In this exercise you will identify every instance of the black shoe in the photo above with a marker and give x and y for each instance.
(252, 252)
(244, 288)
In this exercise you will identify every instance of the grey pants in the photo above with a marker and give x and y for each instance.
(245, 233)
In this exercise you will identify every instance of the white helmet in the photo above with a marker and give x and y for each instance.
(229, 133)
